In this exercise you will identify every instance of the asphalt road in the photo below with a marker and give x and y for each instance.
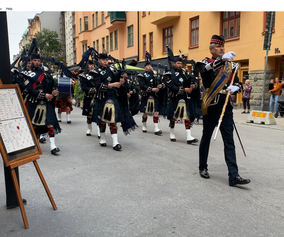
(152, 187)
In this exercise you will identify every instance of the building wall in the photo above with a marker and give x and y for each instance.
(104, 30)
(248, 47)
(69, 38)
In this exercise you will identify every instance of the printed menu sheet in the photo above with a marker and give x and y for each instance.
(14, 129)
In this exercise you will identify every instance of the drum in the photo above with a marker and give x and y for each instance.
(64, 87)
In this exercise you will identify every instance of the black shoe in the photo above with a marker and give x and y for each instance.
(88, 134)
(118, 147)
(204, 174)
(103, 144)
(99, 137)
(13, 206)
(68, 122)
(59, 120)
(173, 140)
(244, 112)
(248, 112)
(192, 141)
(276, 115)
(55, 150)
(238, 180)
(42, 140)
(158, 133)
(144, 131)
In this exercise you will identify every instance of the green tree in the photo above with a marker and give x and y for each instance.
(49, 46)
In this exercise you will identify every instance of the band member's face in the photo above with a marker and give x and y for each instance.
(35, 63)
(217, 51)
(177, 65)
(91, 67)
(148, 68)
(28, 64)
(103, 62)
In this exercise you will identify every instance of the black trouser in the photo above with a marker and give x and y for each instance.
(11, 196)
(226, 129)
(246, 103)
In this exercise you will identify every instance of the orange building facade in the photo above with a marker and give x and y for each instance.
(116, 32)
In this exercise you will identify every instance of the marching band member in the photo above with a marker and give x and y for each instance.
(111, 105)
(216, 73)
(183, 102)
(151, 99)
(41, 101)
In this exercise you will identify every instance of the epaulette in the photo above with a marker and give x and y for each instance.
(155, 72)
(139, 75)
(94, 71)
(113, 68)
(13, 70)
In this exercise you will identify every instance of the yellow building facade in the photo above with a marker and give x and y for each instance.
(189, 34)
(116, 31)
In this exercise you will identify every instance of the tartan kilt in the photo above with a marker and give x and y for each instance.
(87, 106)
(98, 111)
(143, 104)
(62, 105)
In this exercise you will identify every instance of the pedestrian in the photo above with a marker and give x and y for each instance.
(182, 99)
(111, 103)
(276, 90)
(216, 73)
(271, 87)
(246, 96)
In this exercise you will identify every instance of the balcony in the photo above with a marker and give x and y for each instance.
(117, 17)
(158, 18)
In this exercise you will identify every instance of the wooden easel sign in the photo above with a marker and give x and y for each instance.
(18, 142)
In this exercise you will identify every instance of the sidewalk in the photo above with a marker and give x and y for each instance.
(241, 119)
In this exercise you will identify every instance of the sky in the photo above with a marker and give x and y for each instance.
(17, 23)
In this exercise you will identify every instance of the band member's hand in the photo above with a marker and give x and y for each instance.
(49, 97)
(188, 90)
(55, 92)
(128, 95)
(155, 89)
(232, 88)
(229, 56)
(159, 86)
(192, 86)
(115, 84)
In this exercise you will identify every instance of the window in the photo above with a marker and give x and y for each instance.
(130, 35)
(93, 21)
(194, 31)
(107, 40)
(151, 43)
(231, 24)
(103, 17)
(83, 48)
(111, 40)
(167, 38)
(80, 25)
(85, 23)
(103, 43)
(94, 44)
(144, 45)
(116, 40)
(96, 19)
(98, 49)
